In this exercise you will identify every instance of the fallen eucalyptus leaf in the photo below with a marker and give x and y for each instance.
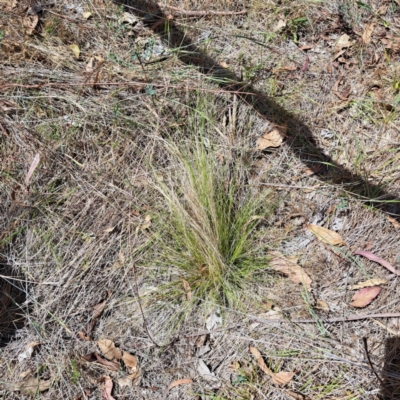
(273, 138)
(106, 387)
(108, 349)
(290, 268)
(179, 382)
(364, 296)
(373, 257)
(280, 378)
(326, 235)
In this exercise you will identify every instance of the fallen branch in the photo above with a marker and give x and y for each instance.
(200, 13)
(330, 320)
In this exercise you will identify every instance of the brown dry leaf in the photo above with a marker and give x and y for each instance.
(322, 305)
(108, 349)
(106, 387)
(364, 296)
(97, 310)
(281, 378)
(30, 23)
(271, 139)
(28, 351)
(368, 283)
(178, 382)
(367, 33)
(297, 396)
(343, 42)
(75, 49)
(29, 386)
(83, 336)
(325, 235)
(32, 168)
(131, 362)
(186, 288)
(290, 268)
(394, 222)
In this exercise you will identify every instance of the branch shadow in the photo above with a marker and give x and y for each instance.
(299, 135)
(390, 389)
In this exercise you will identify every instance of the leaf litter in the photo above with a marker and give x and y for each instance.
(364, 296)
(280, 378)
(326, 235)
(379, 260)
(290, 268)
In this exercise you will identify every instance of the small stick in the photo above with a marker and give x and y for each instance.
(201, 13)
(331, 320)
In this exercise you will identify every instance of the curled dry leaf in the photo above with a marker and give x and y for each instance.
(325, 235)
(343, 42)
(108, 349)
(373, 257)
(83, 336)
(32, 168)
(97, 310)
(179, 382)
(394, 222)
(106, 385)
(290, 268)
(75, 49)
(29, 386)
(28, 351)
(367, 33)
(186, 288)
(132, 364)
(322, 305)
(368, 283)
(364, 296)
(30, 22)
(280, 25)
(273, 138)
(280, 378)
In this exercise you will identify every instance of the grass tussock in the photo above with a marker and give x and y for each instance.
(213, 222)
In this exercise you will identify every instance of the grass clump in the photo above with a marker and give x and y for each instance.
(214, 222)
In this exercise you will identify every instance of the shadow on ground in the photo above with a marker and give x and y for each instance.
(391, 370)
(11, 296)
(300, 138)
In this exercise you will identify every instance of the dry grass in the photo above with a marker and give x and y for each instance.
(120, 117)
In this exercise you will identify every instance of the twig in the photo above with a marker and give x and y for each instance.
(370, 362)
(331, 320)
(141, 309)
(190, 13)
